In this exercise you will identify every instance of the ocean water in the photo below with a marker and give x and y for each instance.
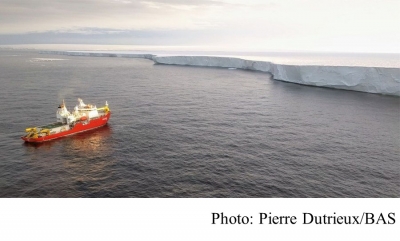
(192, 132)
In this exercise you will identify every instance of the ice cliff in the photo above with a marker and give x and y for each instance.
(366, 79)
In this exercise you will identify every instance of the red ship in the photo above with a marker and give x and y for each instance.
(83, 118)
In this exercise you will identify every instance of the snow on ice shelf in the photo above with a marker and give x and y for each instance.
(366, 79)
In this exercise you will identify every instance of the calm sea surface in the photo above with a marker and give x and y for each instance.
(192, 132)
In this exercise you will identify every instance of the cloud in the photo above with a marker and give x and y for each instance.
(318, 24)
(112, 36)
(42, 15)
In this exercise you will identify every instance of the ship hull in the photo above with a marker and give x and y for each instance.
(79, 127)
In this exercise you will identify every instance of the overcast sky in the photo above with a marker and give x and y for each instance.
(263, 25)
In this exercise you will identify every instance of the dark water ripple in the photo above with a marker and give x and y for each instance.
(192, 132)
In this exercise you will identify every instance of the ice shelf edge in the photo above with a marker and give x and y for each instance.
(377, 80)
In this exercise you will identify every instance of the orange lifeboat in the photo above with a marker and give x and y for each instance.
(83, 118)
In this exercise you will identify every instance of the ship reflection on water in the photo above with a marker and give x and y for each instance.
(91, 142)
(83, 161)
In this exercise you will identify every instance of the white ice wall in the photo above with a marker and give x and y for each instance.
(366, 79)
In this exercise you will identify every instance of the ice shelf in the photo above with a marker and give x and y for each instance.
(378, 80)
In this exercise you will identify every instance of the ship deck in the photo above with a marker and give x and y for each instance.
(52, 125)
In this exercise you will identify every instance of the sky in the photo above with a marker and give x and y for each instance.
(241, 25)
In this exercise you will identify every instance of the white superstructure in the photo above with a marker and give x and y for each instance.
(81, 112)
